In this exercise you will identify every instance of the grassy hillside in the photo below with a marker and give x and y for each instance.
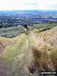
(27, 55)
(11, 32)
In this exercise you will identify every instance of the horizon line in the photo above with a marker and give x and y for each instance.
(27, 10)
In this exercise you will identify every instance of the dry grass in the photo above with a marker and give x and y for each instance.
(45, 58)
(34, 53)
(40, 58)
(53, 56)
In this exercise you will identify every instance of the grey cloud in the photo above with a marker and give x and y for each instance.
(30, 3)
(52, 6)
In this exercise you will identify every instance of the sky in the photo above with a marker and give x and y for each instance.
(28, 4)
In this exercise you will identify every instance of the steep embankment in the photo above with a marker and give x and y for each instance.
(50, 36)
(26, 55)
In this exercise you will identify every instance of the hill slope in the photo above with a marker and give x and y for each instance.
(26, 55)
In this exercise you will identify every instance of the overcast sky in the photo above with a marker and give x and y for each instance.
(28, 4)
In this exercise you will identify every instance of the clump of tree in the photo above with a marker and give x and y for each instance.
(26, 29)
